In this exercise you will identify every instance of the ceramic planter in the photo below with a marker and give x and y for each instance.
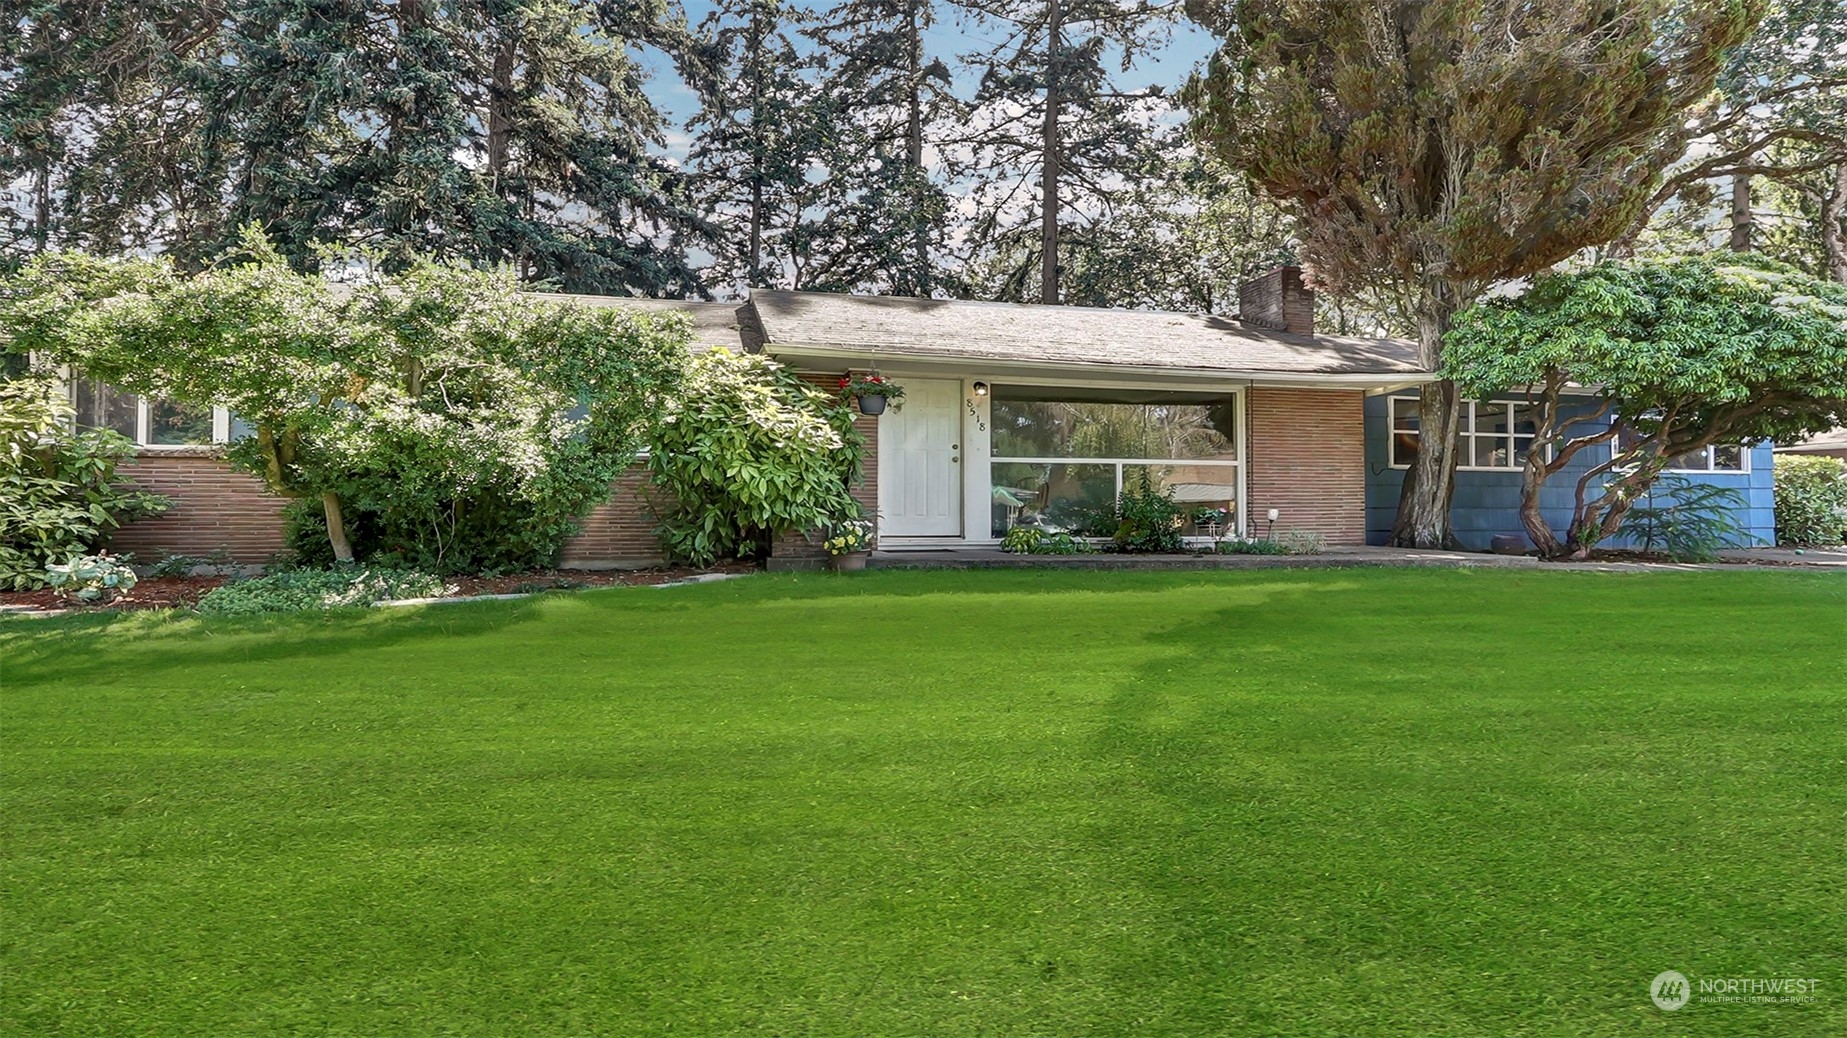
(852, 562)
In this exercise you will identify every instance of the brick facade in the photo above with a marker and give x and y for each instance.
(214, 508)
(1307, 459)
(619, 532)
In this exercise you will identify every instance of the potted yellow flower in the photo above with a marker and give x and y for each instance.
(849, 544)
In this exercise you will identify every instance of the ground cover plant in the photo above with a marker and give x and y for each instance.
(1002, 803)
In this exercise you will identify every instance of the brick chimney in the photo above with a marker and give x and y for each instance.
(1278, 301)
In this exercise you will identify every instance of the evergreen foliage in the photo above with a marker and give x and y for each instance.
(1684, 354)
(1433, 149)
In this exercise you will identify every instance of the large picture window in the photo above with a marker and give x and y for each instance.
(1493, 434)
(1061, 457)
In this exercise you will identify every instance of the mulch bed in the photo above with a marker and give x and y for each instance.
(185, 592)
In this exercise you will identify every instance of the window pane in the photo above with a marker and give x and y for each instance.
(1201, 491)
(1491, 418)
(1491, 452)
(170, 422)
(1404, 414)
(1523, 445)
(1728, 457)
(1404, 431)
(1057, 498)
(1526, 419)
(1693, 460)
(1025, 426)
(101, 406)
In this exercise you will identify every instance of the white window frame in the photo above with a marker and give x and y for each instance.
(1465, 436)
(1743, 469)
(1236, 395)
(221, 422)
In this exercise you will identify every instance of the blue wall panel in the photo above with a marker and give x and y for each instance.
(1487, 504)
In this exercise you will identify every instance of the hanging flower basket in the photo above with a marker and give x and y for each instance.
(871, 392)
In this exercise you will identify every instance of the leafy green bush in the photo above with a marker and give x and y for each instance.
(1685, 520)
(60, 493)
(1232, 546)
(1022, 540)
(1303, 542)
(1811, 499)
(457, 422)
(90, 578)
(1147, 519)
(301, 589)
(745, 450)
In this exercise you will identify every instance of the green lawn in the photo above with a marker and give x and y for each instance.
(1005, 803)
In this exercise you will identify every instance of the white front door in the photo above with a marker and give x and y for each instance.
(920, 462)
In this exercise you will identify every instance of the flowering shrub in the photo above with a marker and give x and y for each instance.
(849, 536)
(60, 493)
(300, 589)
(90, 579)
(873, 384)
(450, 420)
(745, 450)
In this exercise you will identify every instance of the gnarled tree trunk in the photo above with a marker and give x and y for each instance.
(1430, 485)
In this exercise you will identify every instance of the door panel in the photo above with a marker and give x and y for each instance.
(920, 462)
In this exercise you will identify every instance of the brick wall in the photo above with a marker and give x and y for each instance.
(214, 507)
(1308, 460)
(619, 532)
(1279, 301)
(794, 544)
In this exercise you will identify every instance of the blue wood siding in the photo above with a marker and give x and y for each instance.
(1487, 504)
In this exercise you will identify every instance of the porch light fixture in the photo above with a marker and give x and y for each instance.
(981, 389)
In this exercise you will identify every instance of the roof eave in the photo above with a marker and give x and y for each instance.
(1378, 379)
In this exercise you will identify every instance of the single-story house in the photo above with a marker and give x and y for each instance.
(1830, 444)
(1027, 415)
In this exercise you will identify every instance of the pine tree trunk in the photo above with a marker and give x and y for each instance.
(1430, 484)
(914, 141)
(1741, 212)
(755, 72)
(499, 116)
(1048, 184)
(336, 527)
(1833, 234)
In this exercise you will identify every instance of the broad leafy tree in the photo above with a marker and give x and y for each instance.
(1683, 355)
(437, 414)
(1432, 149)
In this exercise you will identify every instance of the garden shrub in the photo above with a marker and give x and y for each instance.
(302, 589)
(456, 422)
(744, 450)
(1685, 520)
(1811, 499)
(1232, 546)
(90, 579)
(60, 493)
(1147, 519)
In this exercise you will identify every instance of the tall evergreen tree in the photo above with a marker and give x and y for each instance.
(1054, 135)
(1431, 149)
(896, 101)
(762, 131)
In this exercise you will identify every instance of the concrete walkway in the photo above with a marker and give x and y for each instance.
(1331, 558)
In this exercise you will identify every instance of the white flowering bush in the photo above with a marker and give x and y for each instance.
(306, 589)
(90, 579)
(435, 417)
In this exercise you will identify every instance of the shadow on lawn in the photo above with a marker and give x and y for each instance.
(76, 649)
